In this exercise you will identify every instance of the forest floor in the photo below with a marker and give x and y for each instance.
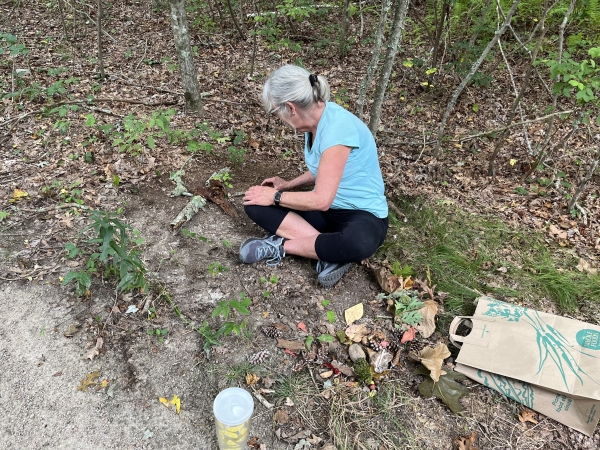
(135, 349)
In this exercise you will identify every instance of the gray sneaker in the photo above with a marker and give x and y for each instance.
(256, 249)
(330, 273)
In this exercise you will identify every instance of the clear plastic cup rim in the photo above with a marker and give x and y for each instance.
(235, 397)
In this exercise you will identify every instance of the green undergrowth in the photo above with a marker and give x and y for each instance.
(469, 255)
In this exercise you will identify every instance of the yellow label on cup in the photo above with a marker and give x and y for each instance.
(232, 437)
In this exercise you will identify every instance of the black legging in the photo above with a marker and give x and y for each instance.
(347, 235)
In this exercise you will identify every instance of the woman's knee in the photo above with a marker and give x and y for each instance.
(253, 212)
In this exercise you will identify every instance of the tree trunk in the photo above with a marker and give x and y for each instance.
(343, 44)
(472, 72)
(99, 28)
(396, 34)
(191, 88)
(62, 18)
(235, 21)
(585, 181)
(385, 7)
(524, 87)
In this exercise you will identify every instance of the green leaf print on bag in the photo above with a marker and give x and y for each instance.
(519, 391)
(551, 343)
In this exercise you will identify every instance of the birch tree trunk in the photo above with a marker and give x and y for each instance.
(99, 28)
(400, 10)
(360, 103)
(472, 72)
(185, 57)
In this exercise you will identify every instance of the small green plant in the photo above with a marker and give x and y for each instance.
(406, 307)
(3, 215)
(224, 177)
(223, 310)
(226, 243)
(402, 271)
(159, 333)
(193, 235)
(115, 250)
(331, 316)
(215, 268)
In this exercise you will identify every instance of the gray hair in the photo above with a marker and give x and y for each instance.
(292, 84)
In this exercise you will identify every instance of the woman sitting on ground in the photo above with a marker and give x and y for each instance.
(344, 218)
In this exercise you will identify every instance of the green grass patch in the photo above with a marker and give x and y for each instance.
(470, 254)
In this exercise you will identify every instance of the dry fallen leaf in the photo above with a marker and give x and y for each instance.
(88, 381)
(465, 442)
(302, 326)
(354, 313)
(586, 267)
(290, 345)
(251, 379)
(73, 328)
(408, 335)
(93, 352)
(288, 402)
(281, 417)
(357, 332)
(388, 282)
(327, 374)
(433, 358)
(527, 415)
(427, 325)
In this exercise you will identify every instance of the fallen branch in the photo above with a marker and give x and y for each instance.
(512, 125)
(193, 206)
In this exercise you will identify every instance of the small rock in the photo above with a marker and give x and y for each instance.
(356, 352)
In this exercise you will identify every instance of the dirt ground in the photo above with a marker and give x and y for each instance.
(47, 332)
(42, 407)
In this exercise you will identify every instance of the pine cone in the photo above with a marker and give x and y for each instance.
(375, 345)
(272, 332)
(259, 358)
(394, 346)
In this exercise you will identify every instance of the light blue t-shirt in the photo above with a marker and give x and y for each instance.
(361, 186)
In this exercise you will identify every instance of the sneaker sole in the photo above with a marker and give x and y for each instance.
(334, 276)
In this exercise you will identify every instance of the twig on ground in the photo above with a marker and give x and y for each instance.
(143, 56)
(512, 125)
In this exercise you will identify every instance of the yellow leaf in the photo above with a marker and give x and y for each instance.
(408, 283)
(88, 381)
(104, 383)
(18, 194)
(177, 403)
(424, 83)
(458, 145)
(265, 314)
(513, 162)
(353, 314)
(252, 379)
(164, 401)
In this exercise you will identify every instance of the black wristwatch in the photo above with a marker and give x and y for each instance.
(277, 198)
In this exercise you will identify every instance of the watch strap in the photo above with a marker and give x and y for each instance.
(277, 197)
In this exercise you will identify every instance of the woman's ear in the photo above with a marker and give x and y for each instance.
(292, 108)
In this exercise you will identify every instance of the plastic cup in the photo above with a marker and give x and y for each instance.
(232, 409)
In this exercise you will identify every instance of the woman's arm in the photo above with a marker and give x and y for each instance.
(306, 179)
(329, 175)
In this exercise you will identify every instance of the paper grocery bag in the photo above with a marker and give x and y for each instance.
(542, 349)
(579, 414)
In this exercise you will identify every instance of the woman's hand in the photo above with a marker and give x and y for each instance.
(260, 195)
(278, 183)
